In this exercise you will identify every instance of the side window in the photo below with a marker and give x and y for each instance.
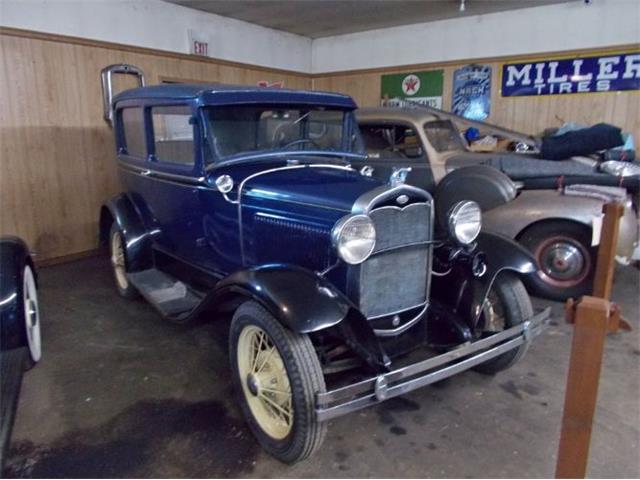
(173, 134)
(391, 141)
(133, 132)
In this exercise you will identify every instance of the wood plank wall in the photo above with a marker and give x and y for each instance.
(57, 161)
(527, 114)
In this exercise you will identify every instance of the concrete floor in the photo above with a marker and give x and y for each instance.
(121, 393)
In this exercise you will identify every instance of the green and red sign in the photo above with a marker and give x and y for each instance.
(424, 88)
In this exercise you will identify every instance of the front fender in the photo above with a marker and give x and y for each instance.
(137, 239)
(305, 302)
(466, 292)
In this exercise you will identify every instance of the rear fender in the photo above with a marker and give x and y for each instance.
(304, 302)
(121, 210)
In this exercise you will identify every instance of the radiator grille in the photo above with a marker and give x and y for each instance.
(395, 277)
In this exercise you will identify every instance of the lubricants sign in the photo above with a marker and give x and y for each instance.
(424, 88)
(603, 73)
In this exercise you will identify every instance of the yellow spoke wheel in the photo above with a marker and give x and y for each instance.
(266, 385)
(277, 375)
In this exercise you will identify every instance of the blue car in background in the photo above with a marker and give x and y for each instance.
(20, 339)
(344, 290)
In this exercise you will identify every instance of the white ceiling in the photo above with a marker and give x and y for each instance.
(322, 18)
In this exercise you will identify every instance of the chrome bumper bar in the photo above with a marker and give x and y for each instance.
(366, 393)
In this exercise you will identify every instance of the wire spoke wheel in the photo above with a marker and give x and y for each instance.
(265, 382)
(118, 259)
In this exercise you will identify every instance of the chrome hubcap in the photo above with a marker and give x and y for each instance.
(563, 261)
(266, 387)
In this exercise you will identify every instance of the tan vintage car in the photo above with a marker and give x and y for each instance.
(560, 226)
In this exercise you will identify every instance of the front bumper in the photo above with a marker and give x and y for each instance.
(371, 391)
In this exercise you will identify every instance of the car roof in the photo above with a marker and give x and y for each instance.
(415, 115)
(222, 94)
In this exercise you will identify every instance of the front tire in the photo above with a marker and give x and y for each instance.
(508, 304)
(117, 254)
(277, 374)
(565, 260)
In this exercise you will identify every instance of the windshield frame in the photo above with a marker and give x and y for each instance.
(348, 148)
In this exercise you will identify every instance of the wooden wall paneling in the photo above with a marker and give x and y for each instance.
(57, 155)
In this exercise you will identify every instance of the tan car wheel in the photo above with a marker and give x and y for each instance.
(507, 305)
(117, 254)
(277, 375)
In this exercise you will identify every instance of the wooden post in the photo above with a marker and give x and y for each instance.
(591, 325)
(593, 317)
(603, 279)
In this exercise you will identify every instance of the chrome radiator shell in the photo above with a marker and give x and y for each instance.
(395, 278)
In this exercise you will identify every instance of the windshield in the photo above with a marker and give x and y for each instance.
(443, 136)
(247, 129)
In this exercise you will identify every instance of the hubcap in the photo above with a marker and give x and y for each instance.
(31, 315)
(118, 260)
(563, 261)
(266, 387)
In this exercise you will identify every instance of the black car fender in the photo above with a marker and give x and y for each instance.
(305, 302)
(465, 290)
(14, 256)
(121, 210)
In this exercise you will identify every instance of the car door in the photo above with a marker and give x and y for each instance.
(391, 146)
(175, 174)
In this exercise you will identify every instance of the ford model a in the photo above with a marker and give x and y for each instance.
(344, 290)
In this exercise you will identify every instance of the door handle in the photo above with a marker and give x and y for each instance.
(145, 173)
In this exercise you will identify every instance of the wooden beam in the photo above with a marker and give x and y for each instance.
(605, 266)
(591, 325)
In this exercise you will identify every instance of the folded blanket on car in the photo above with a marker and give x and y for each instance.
(601, 136)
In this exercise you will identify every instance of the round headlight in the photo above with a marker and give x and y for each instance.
(354, 237)
(620, 169)
(465, 221)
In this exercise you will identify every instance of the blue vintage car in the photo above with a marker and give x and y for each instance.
(243, 199)
(20, 343)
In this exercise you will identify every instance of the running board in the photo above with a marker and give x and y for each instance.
(171, 297)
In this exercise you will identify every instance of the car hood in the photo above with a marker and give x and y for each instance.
(331, 187)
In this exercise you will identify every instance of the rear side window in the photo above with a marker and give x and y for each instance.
(133, 132)
(173, 134)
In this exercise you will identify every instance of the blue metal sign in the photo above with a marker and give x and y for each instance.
(603, 73)
(472, 92)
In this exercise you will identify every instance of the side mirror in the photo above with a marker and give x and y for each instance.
(106, 76)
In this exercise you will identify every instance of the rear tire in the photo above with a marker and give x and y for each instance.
(277, 374)
(117, 255)
(508, 305)
(565, 260)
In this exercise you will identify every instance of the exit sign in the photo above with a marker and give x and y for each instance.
(198, 44)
